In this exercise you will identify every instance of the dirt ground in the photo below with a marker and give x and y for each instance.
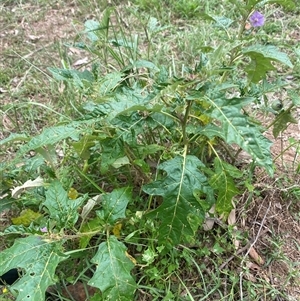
(274, 213)
(280, 212)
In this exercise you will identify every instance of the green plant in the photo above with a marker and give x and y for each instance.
(146, 157)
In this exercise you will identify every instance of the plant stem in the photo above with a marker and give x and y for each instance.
(89, 180)
(184, 122)
(235, 51)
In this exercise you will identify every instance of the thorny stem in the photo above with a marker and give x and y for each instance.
(228, 152)
(89, 179)
(235, 51)
(130, 157)
(184, 122)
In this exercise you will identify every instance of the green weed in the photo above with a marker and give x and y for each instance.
(121, 181)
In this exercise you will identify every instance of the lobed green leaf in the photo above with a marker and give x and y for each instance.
(14, 137)
(179, 203)
(114, 205)
(223, 182)
(62, 209)
(112, 275)
(38, 259)
(261, 58)
(282, 120)
(235, 127)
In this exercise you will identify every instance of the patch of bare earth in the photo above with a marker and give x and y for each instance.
(34, 29)
(30, 39)
(276, 237)
(273, 217)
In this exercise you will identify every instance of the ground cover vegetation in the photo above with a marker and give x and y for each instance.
(131, 181)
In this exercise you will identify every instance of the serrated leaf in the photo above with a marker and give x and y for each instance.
(6, 204)
(38, 259)
(50, 136)
(62, 209)
(295, 98)
(90, 27)
(283, 119)
(261, 57)
(145, 64)
(258, 68)
(236, 128)
(149, 149)
(114, 205)
(14, 137)
(112, 149)
(223, 182)
(152, 24)
(21, 230)
(177, 189)
(110, 82)
(112, 275)
(48, 152)
(269, 51)
(32, 164)
(82, 147)
(122, 100)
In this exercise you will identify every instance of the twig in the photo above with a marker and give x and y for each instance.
(222, 266)
(246, 247)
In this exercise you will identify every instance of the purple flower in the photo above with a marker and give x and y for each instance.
(257, 19)
(44, 230)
